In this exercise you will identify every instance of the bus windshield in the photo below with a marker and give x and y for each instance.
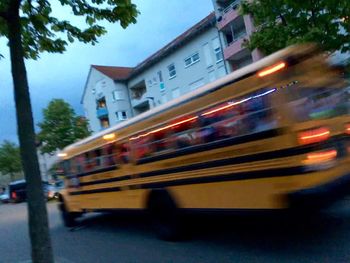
(317, 103)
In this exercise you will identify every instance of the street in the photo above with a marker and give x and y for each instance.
(128, 238)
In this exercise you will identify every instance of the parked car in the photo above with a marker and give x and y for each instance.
(5, 197)
(18, 191)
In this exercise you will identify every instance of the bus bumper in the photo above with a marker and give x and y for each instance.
(320, 196)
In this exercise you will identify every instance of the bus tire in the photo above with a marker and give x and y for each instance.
(164, 215)
(68, 218)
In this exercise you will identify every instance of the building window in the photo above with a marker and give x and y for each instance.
(101, 103)
(217, 50)
(172, 71)
(104, 123)
(218, 54)
(117, 95)
(121, 115)
(160, 77)
(192, 59)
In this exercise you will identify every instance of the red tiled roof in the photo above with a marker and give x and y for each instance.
(115, 73)
(123, 73)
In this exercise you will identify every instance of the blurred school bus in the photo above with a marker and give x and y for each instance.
(272, 135)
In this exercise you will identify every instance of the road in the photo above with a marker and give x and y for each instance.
(128, 238)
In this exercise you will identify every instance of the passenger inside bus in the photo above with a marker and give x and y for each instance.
(109, 155)
(123, 153)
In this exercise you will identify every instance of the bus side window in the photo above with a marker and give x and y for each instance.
(109, 155)
(184, 134)
(67, 167)
(88, 161)
(248, 114)
(98, 158)
(160, 141)
(79, 163)
(142, 147)
(123, 153)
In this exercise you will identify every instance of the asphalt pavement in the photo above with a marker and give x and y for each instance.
(324, 237)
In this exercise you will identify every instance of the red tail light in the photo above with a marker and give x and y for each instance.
(14, 195)
(347, 128)
(320, 157)
(313, 136)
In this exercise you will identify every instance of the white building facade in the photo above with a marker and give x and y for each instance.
(114, 94)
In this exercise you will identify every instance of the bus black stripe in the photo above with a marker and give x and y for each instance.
(97, 171)
(210, 164)
(269, 173)
(108, 180)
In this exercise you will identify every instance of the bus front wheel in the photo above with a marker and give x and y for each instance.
(165, 216)
(68, 218)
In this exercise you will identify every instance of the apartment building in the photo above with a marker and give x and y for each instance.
(234, 29)
(113, 94)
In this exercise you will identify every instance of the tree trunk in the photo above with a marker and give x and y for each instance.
(37, 213)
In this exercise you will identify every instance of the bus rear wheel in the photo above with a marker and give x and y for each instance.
(165, 216)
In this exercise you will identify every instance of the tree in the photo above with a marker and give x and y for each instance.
(10, 159)
(280, 23)
(31, 28)
(61, 126)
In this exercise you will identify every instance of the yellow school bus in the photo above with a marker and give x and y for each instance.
(272, 135)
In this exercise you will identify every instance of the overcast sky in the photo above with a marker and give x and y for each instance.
(64, 75)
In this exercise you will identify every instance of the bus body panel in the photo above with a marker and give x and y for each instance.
(252, 170)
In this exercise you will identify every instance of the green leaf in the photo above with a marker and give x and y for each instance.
(61, 126)
(281, 23)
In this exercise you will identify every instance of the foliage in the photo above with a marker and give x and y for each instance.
(31, 28)
(10, 160)
(42, 31)
(281, 23)
(61, 126)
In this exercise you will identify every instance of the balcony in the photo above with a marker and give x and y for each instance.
(101, 112)
(141, 107)
(138, 93)
(234, 47)
(228, 14)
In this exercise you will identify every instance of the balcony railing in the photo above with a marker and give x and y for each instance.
(228, 14)
(101, 112)
(235, 47)
(237, 37)
(233, 6)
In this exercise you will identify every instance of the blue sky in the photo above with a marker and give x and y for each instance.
(64, 75)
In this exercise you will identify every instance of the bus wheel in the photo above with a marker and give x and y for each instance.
(164, 215)
(68, 218)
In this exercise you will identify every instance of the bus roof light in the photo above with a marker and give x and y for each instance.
(109, 136)
(272, 69)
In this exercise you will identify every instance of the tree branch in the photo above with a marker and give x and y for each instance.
(4, 15)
